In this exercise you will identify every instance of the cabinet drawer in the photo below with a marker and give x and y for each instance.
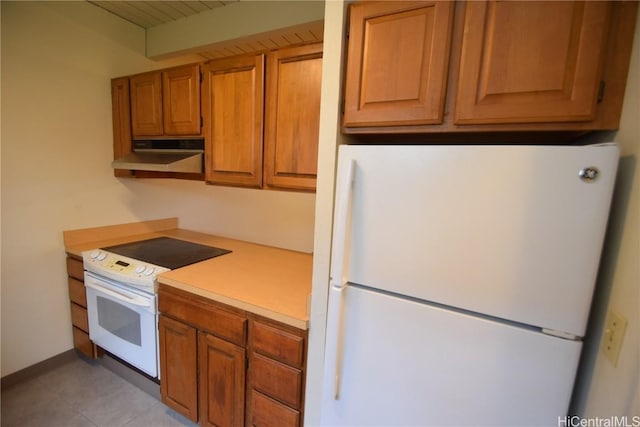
(75, 269)
(77, 292)
(203, 314)
(266, 412)
(82, 342)
(277, 343)
(79, 317)
(276, 379)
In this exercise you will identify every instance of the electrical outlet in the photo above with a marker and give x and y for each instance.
(613, 336)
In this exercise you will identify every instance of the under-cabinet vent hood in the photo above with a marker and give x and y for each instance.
(170, 155)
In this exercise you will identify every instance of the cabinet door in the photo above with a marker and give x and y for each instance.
(233, 93)
(178, 367)
(222, 382)
(397, 63)
(294, 77)
(181, 100)
(146, 104)
(121, 117)
(527, 62)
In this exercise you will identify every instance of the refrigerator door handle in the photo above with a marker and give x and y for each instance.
(339, 266)
(340, 256)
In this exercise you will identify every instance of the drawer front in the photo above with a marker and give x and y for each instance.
(82, 342)
(266, 412)
(276, 379)
(79, 317)
(277, 343)
(204, 315)
(75, 269)
(77, 292)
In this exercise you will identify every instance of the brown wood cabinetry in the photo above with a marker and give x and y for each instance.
(166, 102)
(513, 66)
(121, 117)
(78, 306)
(263, 136)
(531, 61)
(232, 98)
(222, 381)
(275, 388)
(398, 61)
(213, 375)
(292, 117)
(178, 369)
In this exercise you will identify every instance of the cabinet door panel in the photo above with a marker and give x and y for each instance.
(526, 62)
(146, 104)
(178, 367)
(181, 100)
(222, 382)
(233, 93)
(397, 64)
(293, 117)
(121, 117)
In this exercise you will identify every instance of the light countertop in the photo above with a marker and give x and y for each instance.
(271, 282)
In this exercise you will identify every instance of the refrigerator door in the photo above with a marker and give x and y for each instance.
(514, 232)
(397, 362)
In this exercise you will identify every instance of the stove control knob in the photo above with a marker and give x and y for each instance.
(149, 271)
(140, 268)
(101, 256)
(94, 254)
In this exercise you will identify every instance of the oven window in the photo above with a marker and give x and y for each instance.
(121, 321)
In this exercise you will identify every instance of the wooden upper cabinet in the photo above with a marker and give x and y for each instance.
(121, 120)
(181, 100)
(292, 117)
(397, 63)
(166, 103)
(146, 104)
(232, 98)
(524, 62)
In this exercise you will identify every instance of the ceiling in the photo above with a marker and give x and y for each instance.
(150, 13)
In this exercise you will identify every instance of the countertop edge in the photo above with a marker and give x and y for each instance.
(242, 305)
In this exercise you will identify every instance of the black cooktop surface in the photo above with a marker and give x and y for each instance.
(167, 252)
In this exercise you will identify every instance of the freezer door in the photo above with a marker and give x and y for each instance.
(510, 231)
(403, 363)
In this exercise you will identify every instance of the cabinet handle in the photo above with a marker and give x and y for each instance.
(339, 266)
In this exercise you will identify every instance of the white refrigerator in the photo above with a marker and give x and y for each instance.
(461, 282)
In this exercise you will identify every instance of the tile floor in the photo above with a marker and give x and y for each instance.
(83, 393)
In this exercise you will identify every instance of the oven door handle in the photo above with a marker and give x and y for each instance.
(135, 300)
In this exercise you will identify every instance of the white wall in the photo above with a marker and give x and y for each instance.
(57, 62)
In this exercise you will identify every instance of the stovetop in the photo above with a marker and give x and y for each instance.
(167, 252)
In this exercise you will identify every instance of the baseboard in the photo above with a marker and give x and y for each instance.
(37, 369)
(109, 361)
(130, 374)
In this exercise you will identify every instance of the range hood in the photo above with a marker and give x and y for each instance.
(166, 155)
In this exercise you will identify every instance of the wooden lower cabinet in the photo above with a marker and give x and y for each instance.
(276, 377)
(78, 307)
(222, 382)
(178, 366)
(216, 375)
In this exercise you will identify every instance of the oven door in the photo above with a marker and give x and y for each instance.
(123, 321)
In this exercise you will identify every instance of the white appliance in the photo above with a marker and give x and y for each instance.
(123, 320)
(121, 290)
(461, 282)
